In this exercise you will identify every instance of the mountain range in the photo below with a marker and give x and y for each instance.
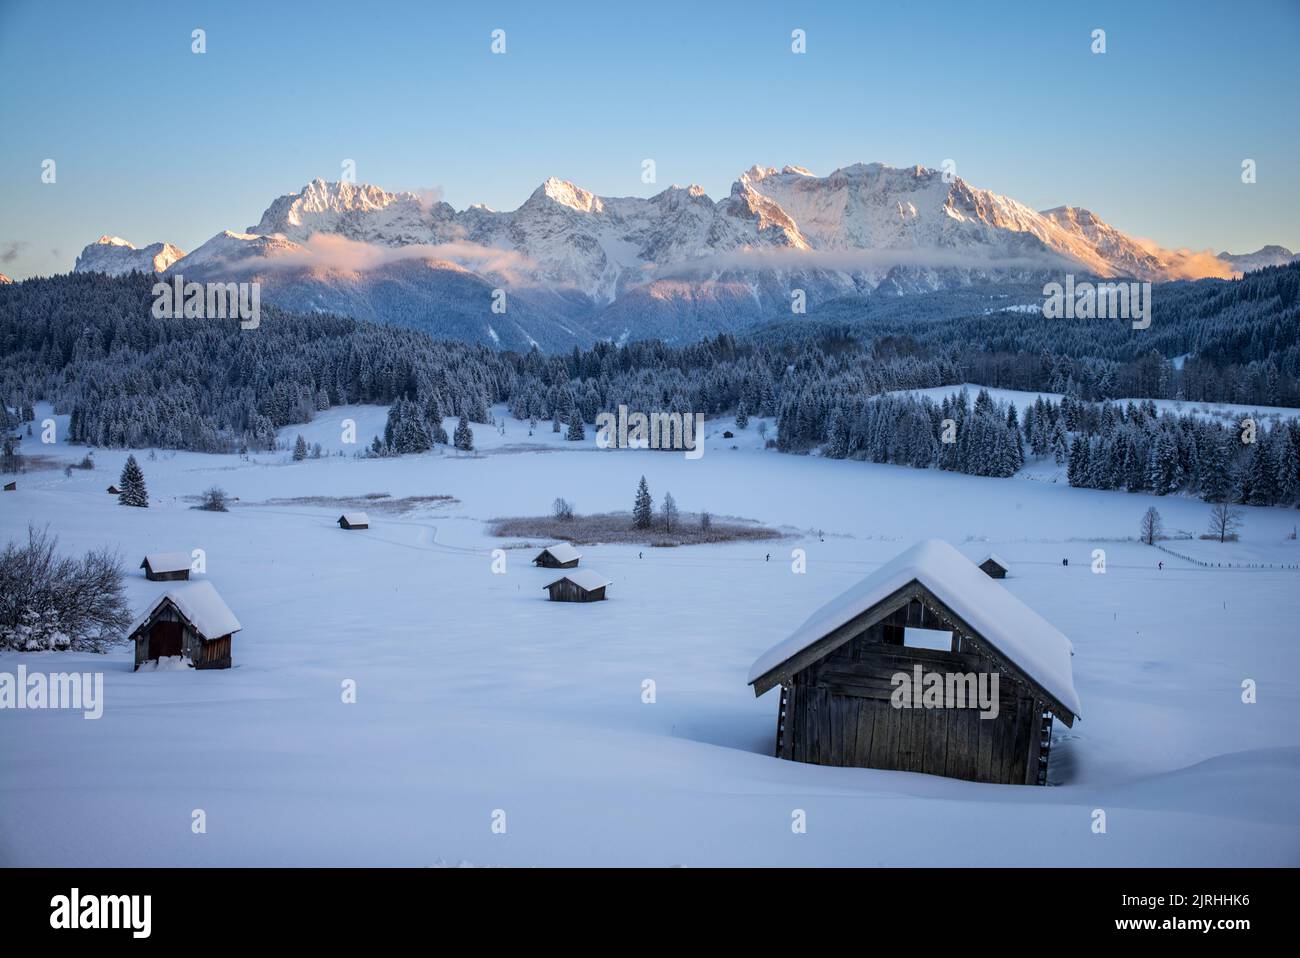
(568, 266)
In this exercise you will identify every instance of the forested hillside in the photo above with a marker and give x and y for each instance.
(89, 344)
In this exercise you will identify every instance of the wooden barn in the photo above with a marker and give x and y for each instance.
(994, 566)
(354, 520)
(190, 621)
(559, 556)
(114, 491)
(11, 486)
(166, 566)
(928, 618)
(583, 585)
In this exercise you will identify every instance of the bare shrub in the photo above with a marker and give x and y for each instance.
(214, 499)
(1151, 526)
(50, 602)
(1224, 522)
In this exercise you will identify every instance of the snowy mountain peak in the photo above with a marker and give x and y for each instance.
(676, 258)
(756, 174)
(1075, 215)
(1271, 255)
(567, 194)
(568, 236)
(114, 256)
(356, 210)
(229, 250)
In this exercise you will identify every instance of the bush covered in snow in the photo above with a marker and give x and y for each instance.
(50, 602)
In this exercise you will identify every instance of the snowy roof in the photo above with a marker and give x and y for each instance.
(355, 518)
(996, 558)
(201, 606)
(584, 579)
(563, 552)
(1010, 626)
(167, 561)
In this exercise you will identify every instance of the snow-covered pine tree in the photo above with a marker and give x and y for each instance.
(1285, 481)
(1098, 464)
(1216, 470)
(837, 435)
(643, 507)
(1077, 471)
(1259, 475)
(576, 432)
(1036, 431)
(131, 483)
(464, 435)
(299, 449)
(1059, 442)
(1017, 441)
(1166, 473)
(742, 415)
(432, 412)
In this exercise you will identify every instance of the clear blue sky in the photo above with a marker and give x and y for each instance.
(156, 143)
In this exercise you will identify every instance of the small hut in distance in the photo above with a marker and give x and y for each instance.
(354, 520)
(994, 566)
(114, 491)
(559, 556)
(583, 585)
(190, 621)
(166, 566)
(11, 486)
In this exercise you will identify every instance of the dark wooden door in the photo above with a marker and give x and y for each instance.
(165, 639)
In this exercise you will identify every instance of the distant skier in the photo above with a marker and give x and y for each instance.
(1161, 565)
(640, 556)
(769, 557)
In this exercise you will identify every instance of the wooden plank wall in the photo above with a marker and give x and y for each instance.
(837, 712)
(566, 591)
(202, 654)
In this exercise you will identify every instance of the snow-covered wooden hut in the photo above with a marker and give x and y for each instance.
(11, 486)
(884, 675)
(114, 491)
(994, 566)
(582, 585)
(190, 621)
(354, 520)
(166, 566)
(562, 555)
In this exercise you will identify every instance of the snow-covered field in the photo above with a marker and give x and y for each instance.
(476, 696)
